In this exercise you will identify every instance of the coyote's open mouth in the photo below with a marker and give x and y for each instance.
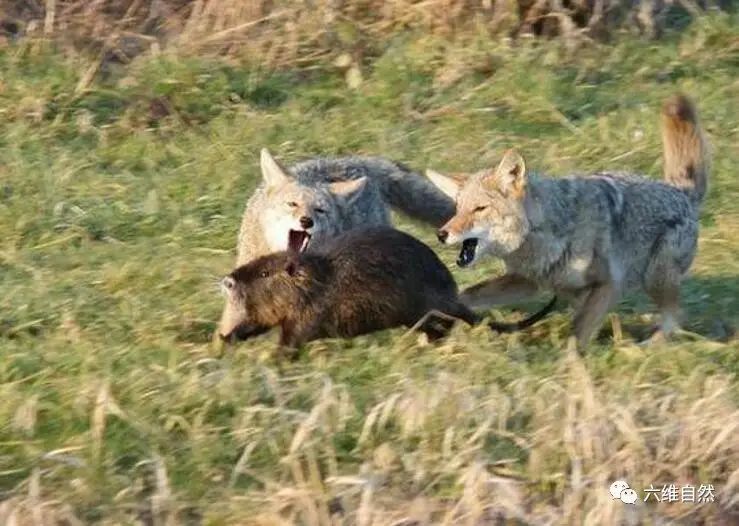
(467, 254)
(297, 240)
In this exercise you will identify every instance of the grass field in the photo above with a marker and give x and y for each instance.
(119, 208)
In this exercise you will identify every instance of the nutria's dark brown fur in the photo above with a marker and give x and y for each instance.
(359, 282)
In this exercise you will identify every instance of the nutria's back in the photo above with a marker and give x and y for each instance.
(379, 278)
(385, 253)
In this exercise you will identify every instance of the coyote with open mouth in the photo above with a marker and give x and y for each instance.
(587, 238)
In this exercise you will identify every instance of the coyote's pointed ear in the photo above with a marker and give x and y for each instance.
(272, 172)
(510, 175)
(449, 184)
(348, 190)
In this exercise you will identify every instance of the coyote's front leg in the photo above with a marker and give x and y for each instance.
(592, 308)
(502, 290)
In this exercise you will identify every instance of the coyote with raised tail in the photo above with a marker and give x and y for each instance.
(588, 238)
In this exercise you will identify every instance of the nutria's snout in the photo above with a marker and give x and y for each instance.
(243, 332)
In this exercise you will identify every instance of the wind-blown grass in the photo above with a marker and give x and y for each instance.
(120, 205)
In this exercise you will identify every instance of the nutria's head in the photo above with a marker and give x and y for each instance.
(262, 294)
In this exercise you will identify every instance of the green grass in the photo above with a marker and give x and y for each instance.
(116, 221)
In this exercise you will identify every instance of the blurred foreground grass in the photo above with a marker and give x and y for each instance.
(119, 209)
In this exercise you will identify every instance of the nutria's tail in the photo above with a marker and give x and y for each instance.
(526, 322)
(686, 155)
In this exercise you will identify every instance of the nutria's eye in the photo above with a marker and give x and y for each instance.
(320, 211)
(263, 274)
(292, 204)
(480, 208)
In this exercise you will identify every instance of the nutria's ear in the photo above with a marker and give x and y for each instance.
(294, 269)
(228, 284)
(292, 265)
(273, 172)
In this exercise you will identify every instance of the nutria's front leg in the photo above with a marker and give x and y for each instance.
(294, 335)
(290, 342)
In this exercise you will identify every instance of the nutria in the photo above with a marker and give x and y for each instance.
(362, 281)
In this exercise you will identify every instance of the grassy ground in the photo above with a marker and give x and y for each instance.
(119, 208)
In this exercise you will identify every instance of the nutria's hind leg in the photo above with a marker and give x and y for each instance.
(434, 323)
(433, 333)
(438, 322)
(459, 310)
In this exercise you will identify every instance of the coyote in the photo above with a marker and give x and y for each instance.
(588, 238)
(321, 198)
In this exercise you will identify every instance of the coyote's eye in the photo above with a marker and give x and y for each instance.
(320, 211)
(480, 208)
(263, 274)
(292, 204)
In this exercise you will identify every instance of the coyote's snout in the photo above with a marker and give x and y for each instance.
(587, 238)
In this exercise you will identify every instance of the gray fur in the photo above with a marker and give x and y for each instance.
(588, 238)
(623, 219)
(399, 186)
(388, 184)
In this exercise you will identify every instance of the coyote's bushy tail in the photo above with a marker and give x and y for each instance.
(412, 194)
(686, 155)
(400, 187)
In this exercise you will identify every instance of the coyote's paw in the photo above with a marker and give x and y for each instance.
(658, 337)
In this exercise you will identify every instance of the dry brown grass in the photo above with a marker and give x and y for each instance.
(428, 435)
(300, 32)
